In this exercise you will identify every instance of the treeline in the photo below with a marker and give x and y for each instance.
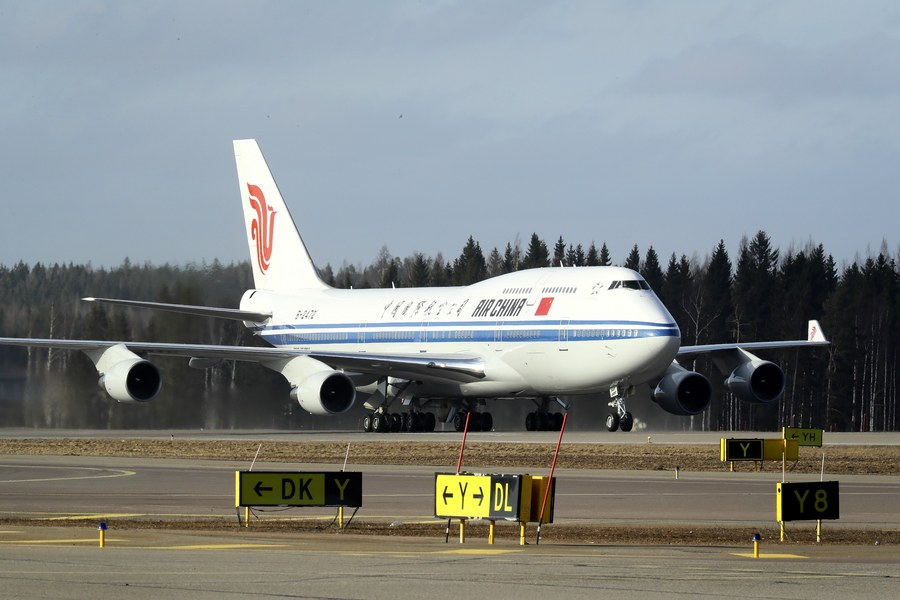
(760, 294)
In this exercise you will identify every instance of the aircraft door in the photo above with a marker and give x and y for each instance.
(361, 338)
(564, 335)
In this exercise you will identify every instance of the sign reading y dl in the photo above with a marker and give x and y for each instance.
(468, 496)
(804, 437)
(808, 501)
(268, 488)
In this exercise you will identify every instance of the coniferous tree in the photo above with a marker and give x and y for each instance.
(511, 258)
(652, 271)
(605, 259)
(537, 254)
(559, 253)
(419, 271)
(593, 258)
(633, 261)
(495, 263)
(470, 267)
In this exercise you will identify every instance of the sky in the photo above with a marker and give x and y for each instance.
(413, 125)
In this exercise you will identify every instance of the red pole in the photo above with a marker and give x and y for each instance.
(458, 467)
(463, 447)
(550, 482)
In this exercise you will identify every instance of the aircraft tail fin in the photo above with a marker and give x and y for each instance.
(279, 257)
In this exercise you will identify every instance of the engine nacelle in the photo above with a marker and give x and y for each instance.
(682, 392)
(132, 380)
(758, 381)
(325, 393)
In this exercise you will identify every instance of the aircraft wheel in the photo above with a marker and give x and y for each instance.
(543, 421)
(487, 421)
(612, 422)
(379, 423)
(475, 422)
(367, 424)
(459, 421)
(396, 422)
(407, 423)
(627, 422)
(430, 422)
(530, 421)
(557, 421)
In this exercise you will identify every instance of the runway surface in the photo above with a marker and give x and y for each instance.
(65, 562)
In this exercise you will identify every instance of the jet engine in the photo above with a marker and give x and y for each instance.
(319, 389)
(325, 393)
(682, 392)
(124, 375)
(756, 380)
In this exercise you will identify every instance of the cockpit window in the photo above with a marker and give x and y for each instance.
(630, 284)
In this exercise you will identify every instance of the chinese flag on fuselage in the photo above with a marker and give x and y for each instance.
(544, 307)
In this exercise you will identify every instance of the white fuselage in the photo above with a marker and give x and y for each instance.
(539, 332)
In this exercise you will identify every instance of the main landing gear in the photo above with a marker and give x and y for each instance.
(620, 418)
(385, 422)
(544, 420)
(381, 420)
(478, 421)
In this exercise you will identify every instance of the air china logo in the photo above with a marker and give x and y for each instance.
(262, 227)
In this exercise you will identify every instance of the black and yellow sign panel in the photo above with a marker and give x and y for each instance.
(804, 437)
(492, 497)
(741, 449)
(269, 488)
(462, 495)
(808, 501)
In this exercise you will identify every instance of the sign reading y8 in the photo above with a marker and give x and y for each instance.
(808, 501)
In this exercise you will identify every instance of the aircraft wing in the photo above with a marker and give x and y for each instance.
(456, 368)
(711, 348)
(202, 311)
(815, 337)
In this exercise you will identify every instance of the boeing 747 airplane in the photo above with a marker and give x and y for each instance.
(425, 353)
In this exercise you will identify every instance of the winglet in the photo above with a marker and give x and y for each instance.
(815, 333)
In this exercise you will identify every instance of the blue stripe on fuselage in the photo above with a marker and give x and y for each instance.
(468, 331)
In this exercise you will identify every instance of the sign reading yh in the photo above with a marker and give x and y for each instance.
(804, 437)
(267, 488)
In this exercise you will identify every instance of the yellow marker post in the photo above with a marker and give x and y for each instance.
(491, 531)
(246, 516)
(521, 533)
(102, 530)
(756, 539)
(462, 531)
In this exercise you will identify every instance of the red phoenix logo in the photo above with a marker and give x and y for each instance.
(262, 227)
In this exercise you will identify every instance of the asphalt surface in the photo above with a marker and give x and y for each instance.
(66, 562)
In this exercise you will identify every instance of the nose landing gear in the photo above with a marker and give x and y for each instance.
(621, 418)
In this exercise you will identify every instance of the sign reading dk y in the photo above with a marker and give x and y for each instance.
(268, 488)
